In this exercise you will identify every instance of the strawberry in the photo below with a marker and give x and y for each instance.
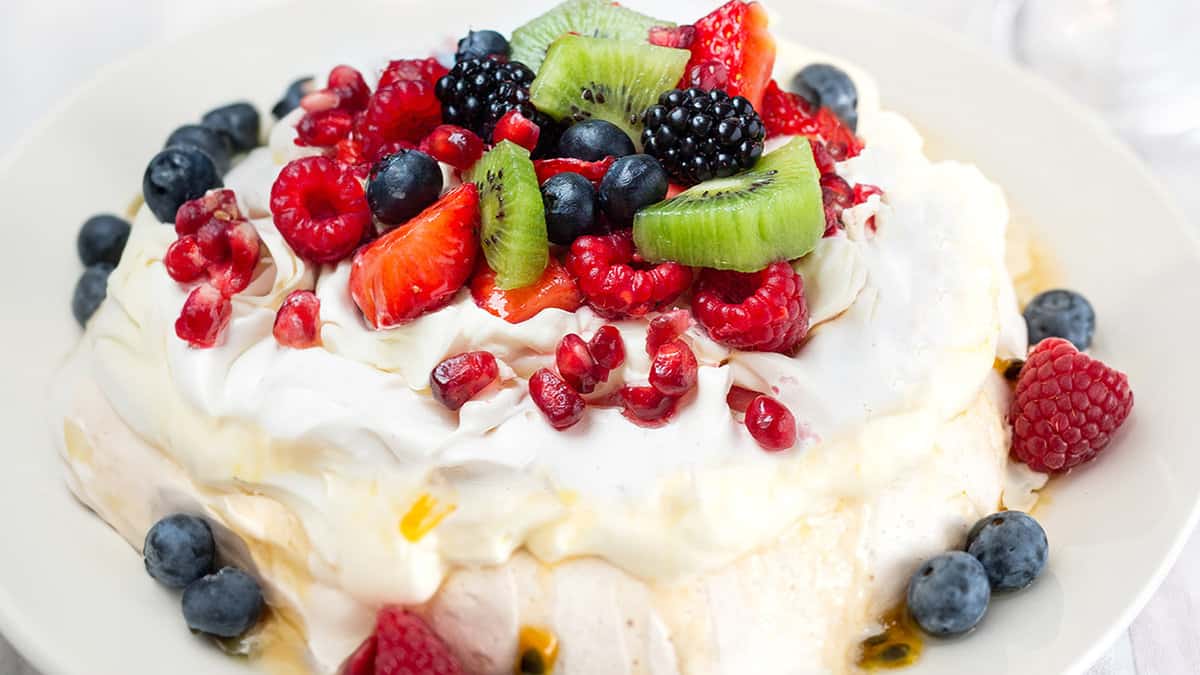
(556, 289)
(419, 267)
(593, 171)
(736, 36)
(786, 114)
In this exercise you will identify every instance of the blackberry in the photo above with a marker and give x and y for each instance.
(477, 92)
(698, 135)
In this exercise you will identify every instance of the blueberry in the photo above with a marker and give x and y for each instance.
(90, 291)
(949, 594)
(101, 239)
(176, 175)
(633, 183)
(828, 86)
(291, 97)
(570, 202)
(179, 549)
(225, 604)
(237, 121)
(212, 143)
(1012, 548)
(593, 140)
(482, 43)
(1063, 314)
(402, 185)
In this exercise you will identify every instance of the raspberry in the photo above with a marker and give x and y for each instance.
(647, 406)
(401, 111)
(233, 274)
(453, 145)
(577, 366)
(459, 378)
(1066, 407)
(519, 129)
(562, 405)
(204, 315)
(298, 322)
(217, 204)
(760, 311)
(665, 328)
(673, 369)
(362, 661)
(324, 127)
(320, 209)
(183, 260)
(771, 424)
(607, 348)
(427, 70)
(406, 645)
(613, 286)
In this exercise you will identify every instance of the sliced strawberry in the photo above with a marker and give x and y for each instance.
(593, 171)
(787, 114)
(419, 267)
(839, 140)
(556, 289)
(736, 35)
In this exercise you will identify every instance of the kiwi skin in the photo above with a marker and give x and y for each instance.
(513, 220)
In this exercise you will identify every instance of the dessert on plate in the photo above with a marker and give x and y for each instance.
(595, 349)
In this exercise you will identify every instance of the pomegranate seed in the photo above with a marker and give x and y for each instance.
(459, 378)
(864, 191)
(576, 364)
(184, 261)
(324, 127)
(707, 75)
(739, 398)
(664, 328)
(319, 101)
(517, 128)
(453, 145)
(647, 405)
(679, 37)
(673, 369)
(771, 424)
(607, 348)
(218, 204)
(350, 88)
(824, 161)
(562, 405)
(837, 196)
(212, 240)
(204, 315)
(297, 324)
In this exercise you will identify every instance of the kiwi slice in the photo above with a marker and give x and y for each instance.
(593, 18)
(745, 222)
(513, 221)
(586, 78)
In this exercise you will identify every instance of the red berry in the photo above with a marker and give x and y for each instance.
(320, 209)
(739, 398)
(459, 378)
(194, 214)
(427, 70)
(576, 365)
(647, 405)
(787, 114)
(324, 127)
(771, 424)
(212, 240)
(863, 192)
(554, 290)
(673, 369)
(298, 322)
(362, 661)
(593, 171)
(562, 405)
(603, 265)
(707, 75)
(825, 163)
(517, 128)
(183, 260)
(760, 311)
(736, 36)
(1066, 407)
(837, 196)
(840, 141)
(664, 328)
(607, 347)
(204, 315)
(351, 90)
(406, 645)
(677, 37)
(234, 274)
(404, 110)
(456, 146)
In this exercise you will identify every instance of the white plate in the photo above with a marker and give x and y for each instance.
(74, 597)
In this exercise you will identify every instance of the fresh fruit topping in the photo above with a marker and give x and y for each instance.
(90, 291)
(593, 171)
(839, 139)
(184, 261)
(102, 240)
(174, 176)
(478, 92)
(292, 96)
(406, 645)
(698, 135)
(216, 145)
(514, 222)
(576, 365)
(1066, 407)
(569, 200)
(179, 549)
(1062, 314)
(607, 348)
(665, 328)
(554, 290)
(453, 145)
(677, 37)
(225, 604)
(771, 424)
(760, 311)
(632, 184)
(597, 18)
(403, 185)
(479, 44)
(673, 369)
(1012, 548)
(234, 273)
(745, 222)
(949, 594)
(562, 405)
(827, 86)
(219, 205)
(611, 284)
(836, 197)
(345, 89)
(212, 240)
(320, 209)
(204, 316)
(237, 122)
(362, 661)
(537, 651)
(420, 267)
(647, 405)
(739, 398)
(324, 127)
(405, 110)
(298, 322)
(460, 378)
(515, 127)
(588, 78)
(594, 140)
(736, 36)
(787, 114)
(706, 75)
(427, 70)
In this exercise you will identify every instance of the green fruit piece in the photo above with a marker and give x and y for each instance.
(586, 78)
(745, 222)
(513, 221)
(593, 18)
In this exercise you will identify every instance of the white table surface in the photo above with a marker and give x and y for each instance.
(48, 47)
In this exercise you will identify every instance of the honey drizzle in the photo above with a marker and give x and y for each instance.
(897, 646)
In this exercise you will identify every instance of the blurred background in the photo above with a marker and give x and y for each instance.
(1135, 62)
